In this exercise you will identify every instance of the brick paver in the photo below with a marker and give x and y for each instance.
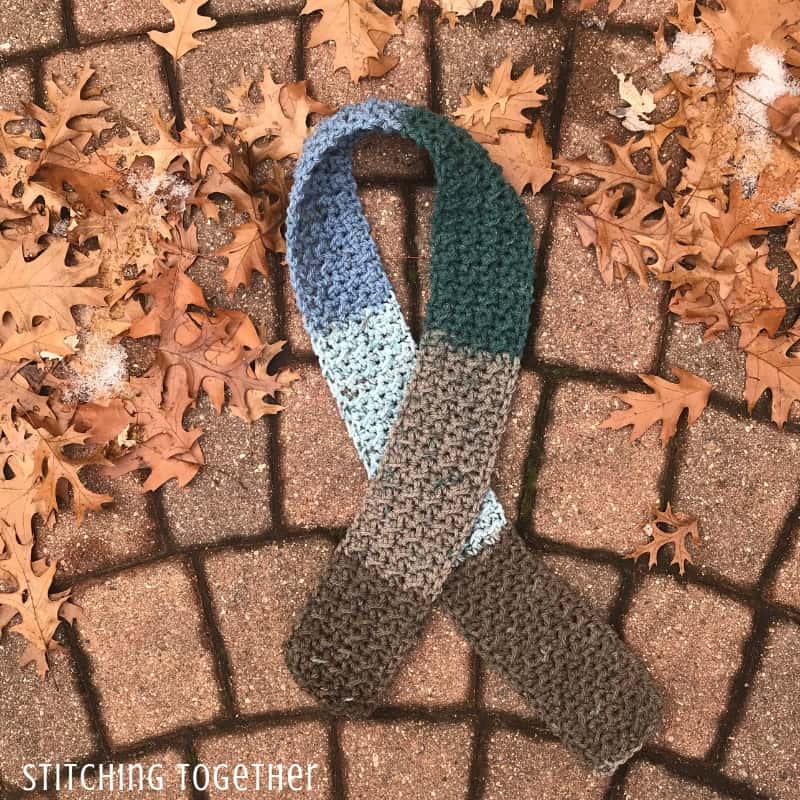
(691, 639)
(148, 651)
(523, 769)
(188, 595)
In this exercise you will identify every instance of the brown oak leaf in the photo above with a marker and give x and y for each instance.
(163, 445)
(666, 404)
(668, 528)
(222, 352)
(771, 366)
(45, 287)
(187, 22)
(499, 106)
(27, 597)
(280, 116)
(359, 30)
(72, 111)
(525, 160)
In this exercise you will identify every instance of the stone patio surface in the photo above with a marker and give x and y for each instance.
(189, 594)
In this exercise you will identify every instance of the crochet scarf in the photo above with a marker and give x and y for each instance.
(426, 422)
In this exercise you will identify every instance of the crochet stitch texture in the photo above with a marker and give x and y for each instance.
(427, 423)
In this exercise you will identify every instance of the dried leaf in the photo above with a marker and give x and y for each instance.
(46, 287)
(525, 160)
(281, 116)
(163, 445)
(39, 612)
(71, 109)
(499, 106)
(771, 366)
(668, 528)
(359, 31)
(666, 404)
(638, 105)
(187, 22)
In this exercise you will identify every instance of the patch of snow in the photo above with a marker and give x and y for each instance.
(753, 97)
(687, 51)
(100, 369)
(165, 192)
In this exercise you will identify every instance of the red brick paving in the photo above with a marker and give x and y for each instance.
(192, 592)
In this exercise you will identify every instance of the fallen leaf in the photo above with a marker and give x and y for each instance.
(359, 31)
(666, 404)
(187, 22)
(638, 105)
(668, 528)
(525, 160)
(771, 366)
(499, 106)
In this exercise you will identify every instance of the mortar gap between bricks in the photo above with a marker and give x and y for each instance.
(336, 765)
(740, 688)
(781, 550)
(89, 692)
(535, 456)
(169, 73)
(479, 757)
(222, 663)
(411, 271)
(699, 772)
(68, 21)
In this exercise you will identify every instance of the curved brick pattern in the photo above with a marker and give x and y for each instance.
(583, 321)
(436, 672)
(385, 212)
(123, 531)
(692, 641)
(650, 782)
(724, 461)
(130, 74)
(520, 768)
(413, 761)
(230, 496)
(41, 721)
(291, 749)
(568, 506)
(257, 596)
(160, 777)
(142, 631)
(206, 72)
(765, 748)
(29, 24)
(322, 479)
(597, 582)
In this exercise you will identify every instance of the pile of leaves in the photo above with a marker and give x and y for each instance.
(360, 30)
(98, 238)
(690, 200)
